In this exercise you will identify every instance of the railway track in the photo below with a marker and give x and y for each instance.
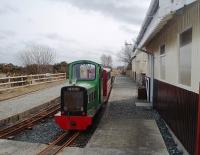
(59, 144)
(29, 122)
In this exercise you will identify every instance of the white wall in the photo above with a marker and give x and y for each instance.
(169, 35)
(139, 64)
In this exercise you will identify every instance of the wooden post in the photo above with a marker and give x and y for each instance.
(22, 81)
(197, 149)
(9, 82)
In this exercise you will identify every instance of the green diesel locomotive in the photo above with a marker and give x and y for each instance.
(82, 99)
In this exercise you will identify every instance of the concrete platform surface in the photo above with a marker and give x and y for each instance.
(102, 151)
(123, 129)
(141, 136)
(11, 107)
(10, 147)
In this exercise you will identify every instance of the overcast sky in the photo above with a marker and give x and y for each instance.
(76, 29)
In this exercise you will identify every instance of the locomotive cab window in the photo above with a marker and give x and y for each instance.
(84, 72)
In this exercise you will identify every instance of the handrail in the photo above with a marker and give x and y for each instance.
(22, 81)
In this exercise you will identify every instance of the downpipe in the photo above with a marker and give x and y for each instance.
(152, 79)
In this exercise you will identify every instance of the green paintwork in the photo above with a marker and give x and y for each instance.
(90, 85)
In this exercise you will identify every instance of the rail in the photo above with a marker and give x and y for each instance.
(29, 122)
(59, 143)
(27, 80)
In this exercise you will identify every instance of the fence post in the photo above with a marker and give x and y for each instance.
(197, 146)
(9, 83)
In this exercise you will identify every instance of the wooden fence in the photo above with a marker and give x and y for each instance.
(22, 81)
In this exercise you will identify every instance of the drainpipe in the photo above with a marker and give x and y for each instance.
(152, 78)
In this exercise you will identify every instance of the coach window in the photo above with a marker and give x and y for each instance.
(108, 75)
(185, 57)
(162, 62)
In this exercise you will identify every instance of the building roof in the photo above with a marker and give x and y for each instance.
(158, 14)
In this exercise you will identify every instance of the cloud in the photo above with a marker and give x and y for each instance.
(8, 54)
(58, 37)
(4, 34)
(6, 8)
(76, 29)
(131, 11)
(128, 29)
(53, 36)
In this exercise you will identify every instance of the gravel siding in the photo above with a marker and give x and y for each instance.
(44, 132)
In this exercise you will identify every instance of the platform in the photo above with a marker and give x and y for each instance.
(13, 109)
(125, 128)
(11, 147)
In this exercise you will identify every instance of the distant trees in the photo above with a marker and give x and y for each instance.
(38, 59)
(125, 55)
(106, 60)
(61, 67)
(13, 70)
(10, 69)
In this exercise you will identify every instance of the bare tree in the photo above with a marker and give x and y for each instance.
(106, 60)
(38, 59)
(125, 55)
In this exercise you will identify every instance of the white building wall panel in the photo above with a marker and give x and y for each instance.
(139, 64)
(185, 18)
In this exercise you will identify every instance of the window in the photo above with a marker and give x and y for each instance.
(162, 49)
(185, 57)
(91, 97)
(84, 72)
(162, 62)
(108, 75)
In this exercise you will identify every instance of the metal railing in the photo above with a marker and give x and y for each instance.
(25, 80)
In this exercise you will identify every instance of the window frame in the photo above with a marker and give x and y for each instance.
(179, 52)
(161, 56)
(84, 79)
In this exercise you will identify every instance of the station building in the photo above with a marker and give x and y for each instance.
(139, 66)
(169, 43)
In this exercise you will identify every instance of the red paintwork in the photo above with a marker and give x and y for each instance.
(105, 76)
(197, 150)
(66, 122)
(106, 83)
